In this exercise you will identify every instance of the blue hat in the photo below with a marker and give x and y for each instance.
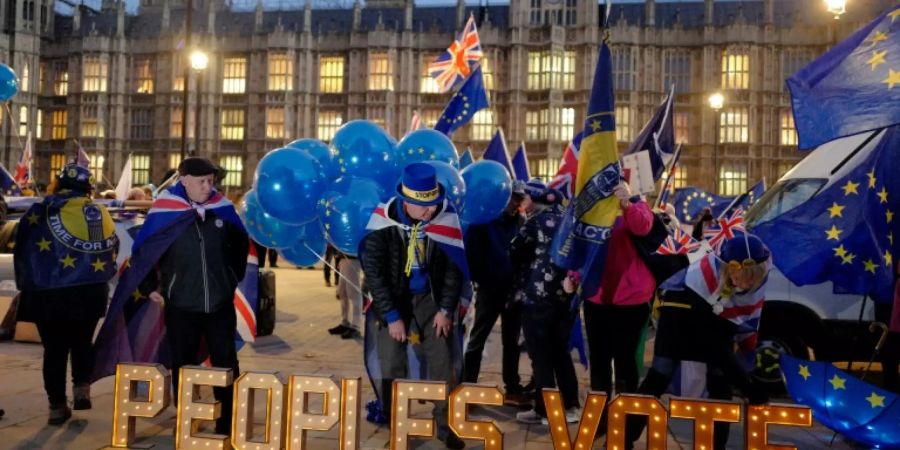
(535, 187)
(75, 177)
(419, 185)
(743, 247)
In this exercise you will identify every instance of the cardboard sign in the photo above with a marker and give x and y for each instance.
(640, 172)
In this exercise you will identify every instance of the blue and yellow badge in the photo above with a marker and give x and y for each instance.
(67, 240)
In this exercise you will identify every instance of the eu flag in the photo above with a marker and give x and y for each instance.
(496, 151)
(690, 201)
(845, 233)
(850, 89)
(520, 164)
(580, 242)
(466, 159)
(657, 137)
(471, 98)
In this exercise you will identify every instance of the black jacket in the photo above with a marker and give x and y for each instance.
(383, 258)
(201, 269)
(487, 251)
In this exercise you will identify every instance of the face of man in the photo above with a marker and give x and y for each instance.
(515, 201)
(420, 213)
(198, 187)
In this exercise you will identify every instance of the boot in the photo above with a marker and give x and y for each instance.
(59, 414)
(81, 394)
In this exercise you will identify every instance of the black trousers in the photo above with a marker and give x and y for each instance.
(332, 257)
(488, 307)
(185, 330)
(261, 253)
(60, 338)
(614, 334)
(547, 329)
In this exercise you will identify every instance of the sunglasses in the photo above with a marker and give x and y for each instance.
(745, 264)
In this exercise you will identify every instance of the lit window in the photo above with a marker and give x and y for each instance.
(57, 162)
(735, 70)
(178, 72)
(275, 122)
(40, 124)
(682, 128)
(234, 78)
(60, 79)
(232, 124)
(734, 125)
(551, 70)
(563, 126)
(328, 124)
(784, 167)
(487, 71)
(788, 131)
(681, 177)
(547, 168)
(430, 117)
(427, 83)
(91, 122)
(143, 74)
(142, 123)
(482, 126)
(140, 169)
(623, 123)
(24, 82)
(174, 160)
(536, 125)
(234, 166)
(677, 71)
(23, 120)
(59, 124)
(733, 178)
(42, 69)
(534, 71)
(623, 69)
(95, 165)
(381, 72)
(331, 74)
(281, 72)
(94, 73)
(177, 122)
(568, 70)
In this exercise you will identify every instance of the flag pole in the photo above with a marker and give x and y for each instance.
(669, 174)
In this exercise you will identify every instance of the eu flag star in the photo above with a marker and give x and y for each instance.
(834, 234)
(32, 219)
(888, 258)
(891, 238)
(43, 245)
(877, 58)
(882, 195)
(892, 78)
(804, 372)
(848, 258)
(136, 295)
(99, 266)
(878, 37)
(876, 400)
(840, 251)
(850, 188)
(68, 261)
(889, 215)
(836, 210)
(894, 14)
(837, 382)
(872, 179)
(870, 266)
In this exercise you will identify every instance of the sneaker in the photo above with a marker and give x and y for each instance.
(59, 414)
(573, 415)
(351, 334)
(517, 399)
(338, 330)
(81, 393)
(530, 417)
(452, 441)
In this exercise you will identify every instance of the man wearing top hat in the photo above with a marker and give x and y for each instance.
(414, 270)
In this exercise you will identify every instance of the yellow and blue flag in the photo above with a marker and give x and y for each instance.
(847, 233)
(580, 243)
(851, 88)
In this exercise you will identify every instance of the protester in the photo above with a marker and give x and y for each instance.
(137, 194)
(332, 256)
(262, 252)
(348, 292)
(702, 224)
(547, 314)
(63, 289)
(197, 277)
(415, 284)
(487, 249)
(706, 307)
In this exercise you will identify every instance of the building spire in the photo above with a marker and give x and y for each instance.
(258, 23)
(650, 13)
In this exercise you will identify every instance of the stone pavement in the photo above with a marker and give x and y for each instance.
(300, 344)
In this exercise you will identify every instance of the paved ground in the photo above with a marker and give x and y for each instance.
(306, 309)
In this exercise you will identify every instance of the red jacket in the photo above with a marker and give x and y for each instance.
(626, 279)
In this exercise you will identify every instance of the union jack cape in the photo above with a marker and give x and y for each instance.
(134, 328)
(456, 63)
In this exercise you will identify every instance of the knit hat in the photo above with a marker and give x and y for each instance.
(743, 247)
(75, 177)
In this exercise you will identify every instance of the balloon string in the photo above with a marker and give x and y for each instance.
(14, 127)
(335, 269)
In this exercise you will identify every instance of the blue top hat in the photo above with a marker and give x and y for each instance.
(419, 185)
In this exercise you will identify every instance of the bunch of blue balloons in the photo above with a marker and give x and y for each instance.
(307, 194)
(9, 83)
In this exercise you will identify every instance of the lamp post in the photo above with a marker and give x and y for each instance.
(716, 102)
(836, 7)
(199, 62)
(188, 28)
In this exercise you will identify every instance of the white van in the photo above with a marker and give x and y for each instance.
(812, 321)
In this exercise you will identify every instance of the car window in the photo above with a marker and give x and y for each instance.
(784, 196)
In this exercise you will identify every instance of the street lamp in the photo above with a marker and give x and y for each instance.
(836, 7)
(199, 63)
(199, 60)
(716, 102)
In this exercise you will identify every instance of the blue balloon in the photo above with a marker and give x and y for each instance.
(345, 211)
(264, 228)
(289, 185)
(454, 185)
(488, 189)
(427, 145)
(321, 153)
(9, 83)
(363, 149)
(311, 246)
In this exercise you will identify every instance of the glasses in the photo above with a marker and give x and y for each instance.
(745, 264)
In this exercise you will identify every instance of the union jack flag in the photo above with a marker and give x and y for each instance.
(724, 229)
(564, 180)
(23, 167)
(415, 123)
(678, 243)
(455, 64)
